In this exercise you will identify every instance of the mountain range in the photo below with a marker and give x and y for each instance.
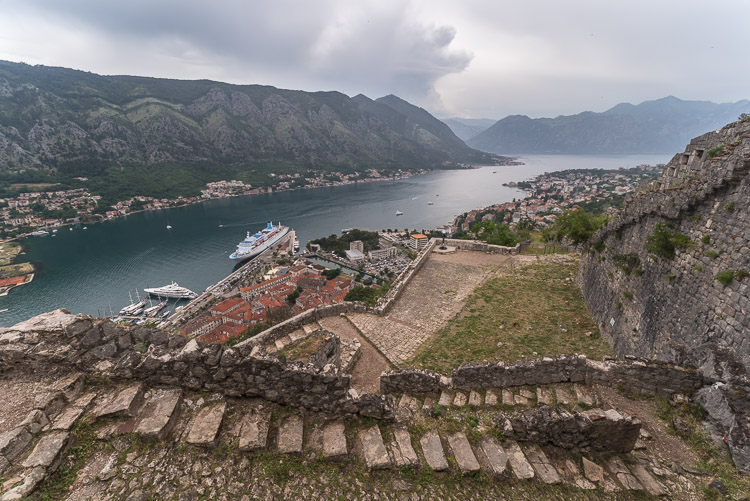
(660, 126)
(81, 123)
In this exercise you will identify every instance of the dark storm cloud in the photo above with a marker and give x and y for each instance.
(368, 47)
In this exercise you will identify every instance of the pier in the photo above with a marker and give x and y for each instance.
(225, 284)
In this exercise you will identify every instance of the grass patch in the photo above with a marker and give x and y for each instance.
(302, 350)
(83, 440)
(725, 277)
(712, 254)
(532, 309)
(710, 457)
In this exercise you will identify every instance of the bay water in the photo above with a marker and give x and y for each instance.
(94, 270)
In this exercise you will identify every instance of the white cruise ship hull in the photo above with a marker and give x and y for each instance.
(260, 248)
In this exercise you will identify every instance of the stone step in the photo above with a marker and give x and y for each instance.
(508, 398)
(460, 399)
(542, 466)
(445, 399)
(30, 479)
(475, 398)
(291, 433)
(432, 449)
(373, 449)
(597, 474)
(618, 469)
(527, 393)
(490, 397)
(334, 440)
(47, 451)
(13, 442)
(520, 400)
(518, 463)
(495, 455)
(409, 401)
(429, 403)
(283, 342)
(159, 414)
(254, 430)
(309, 328)
(461, 449)
(401, 451)
(125, 403)
(563, 396)
(67, 418)
(584, 395)
(205, 426)
(652, 486)
(543, 396)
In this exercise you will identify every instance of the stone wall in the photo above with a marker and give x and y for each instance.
(593, 430)
(386, 302)
(413, 381)
(676, 310)
(306, 317)
(101, 348)
(479, 246)
(663, 308)
(641, 376)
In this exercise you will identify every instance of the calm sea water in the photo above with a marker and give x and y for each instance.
(89, 271)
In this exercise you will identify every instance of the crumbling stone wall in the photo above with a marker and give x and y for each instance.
(594, 430)
(649, 377)
(102, 348)
(386, 302)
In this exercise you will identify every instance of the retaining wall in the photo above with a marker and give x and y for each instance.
(99, 347)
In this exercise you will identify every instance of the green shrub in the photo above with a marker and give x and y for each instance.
(729, 207)
(599, 246)
(725, 277)
(638, 272)
(578, 225)
(713, 151)
(698, 267)
(618, 304)
(706, 239)
(665, 240)
(712, 254)
(628, 295)
(626, 262)
(670, 276)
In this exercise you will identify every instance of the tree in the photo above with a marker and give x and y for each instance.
(578, 225)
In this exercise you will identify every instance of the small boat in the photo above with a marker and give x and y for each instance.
(344, 231)
(221, 226)
(413, 198)
(295, 245)
(430, 203)
(54, 231)
(165, 314)
(85, 227)
(71, 229)
(169, 227)
(399, 213)
(40, 233)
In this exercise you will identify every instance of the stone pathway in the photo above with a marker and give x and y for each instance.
(433, 296)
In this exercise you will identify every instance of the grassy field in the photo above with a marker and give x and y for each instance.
(14, 270)
(533, 309)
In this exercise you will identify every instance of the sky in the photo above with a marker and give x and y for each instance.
(463, 58)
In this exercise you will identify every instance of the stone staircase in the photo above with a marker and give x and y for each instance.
(31, 452)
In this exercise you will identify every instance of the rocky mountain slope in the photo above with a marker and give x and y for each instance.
(81, 122)
(660, 126)
(466, 128)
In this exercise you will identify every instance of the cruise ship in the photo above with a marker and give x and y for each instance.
(172, 290)
(257, 243)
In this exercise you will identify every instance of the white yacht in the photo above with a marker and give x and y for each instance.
(172, 290)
